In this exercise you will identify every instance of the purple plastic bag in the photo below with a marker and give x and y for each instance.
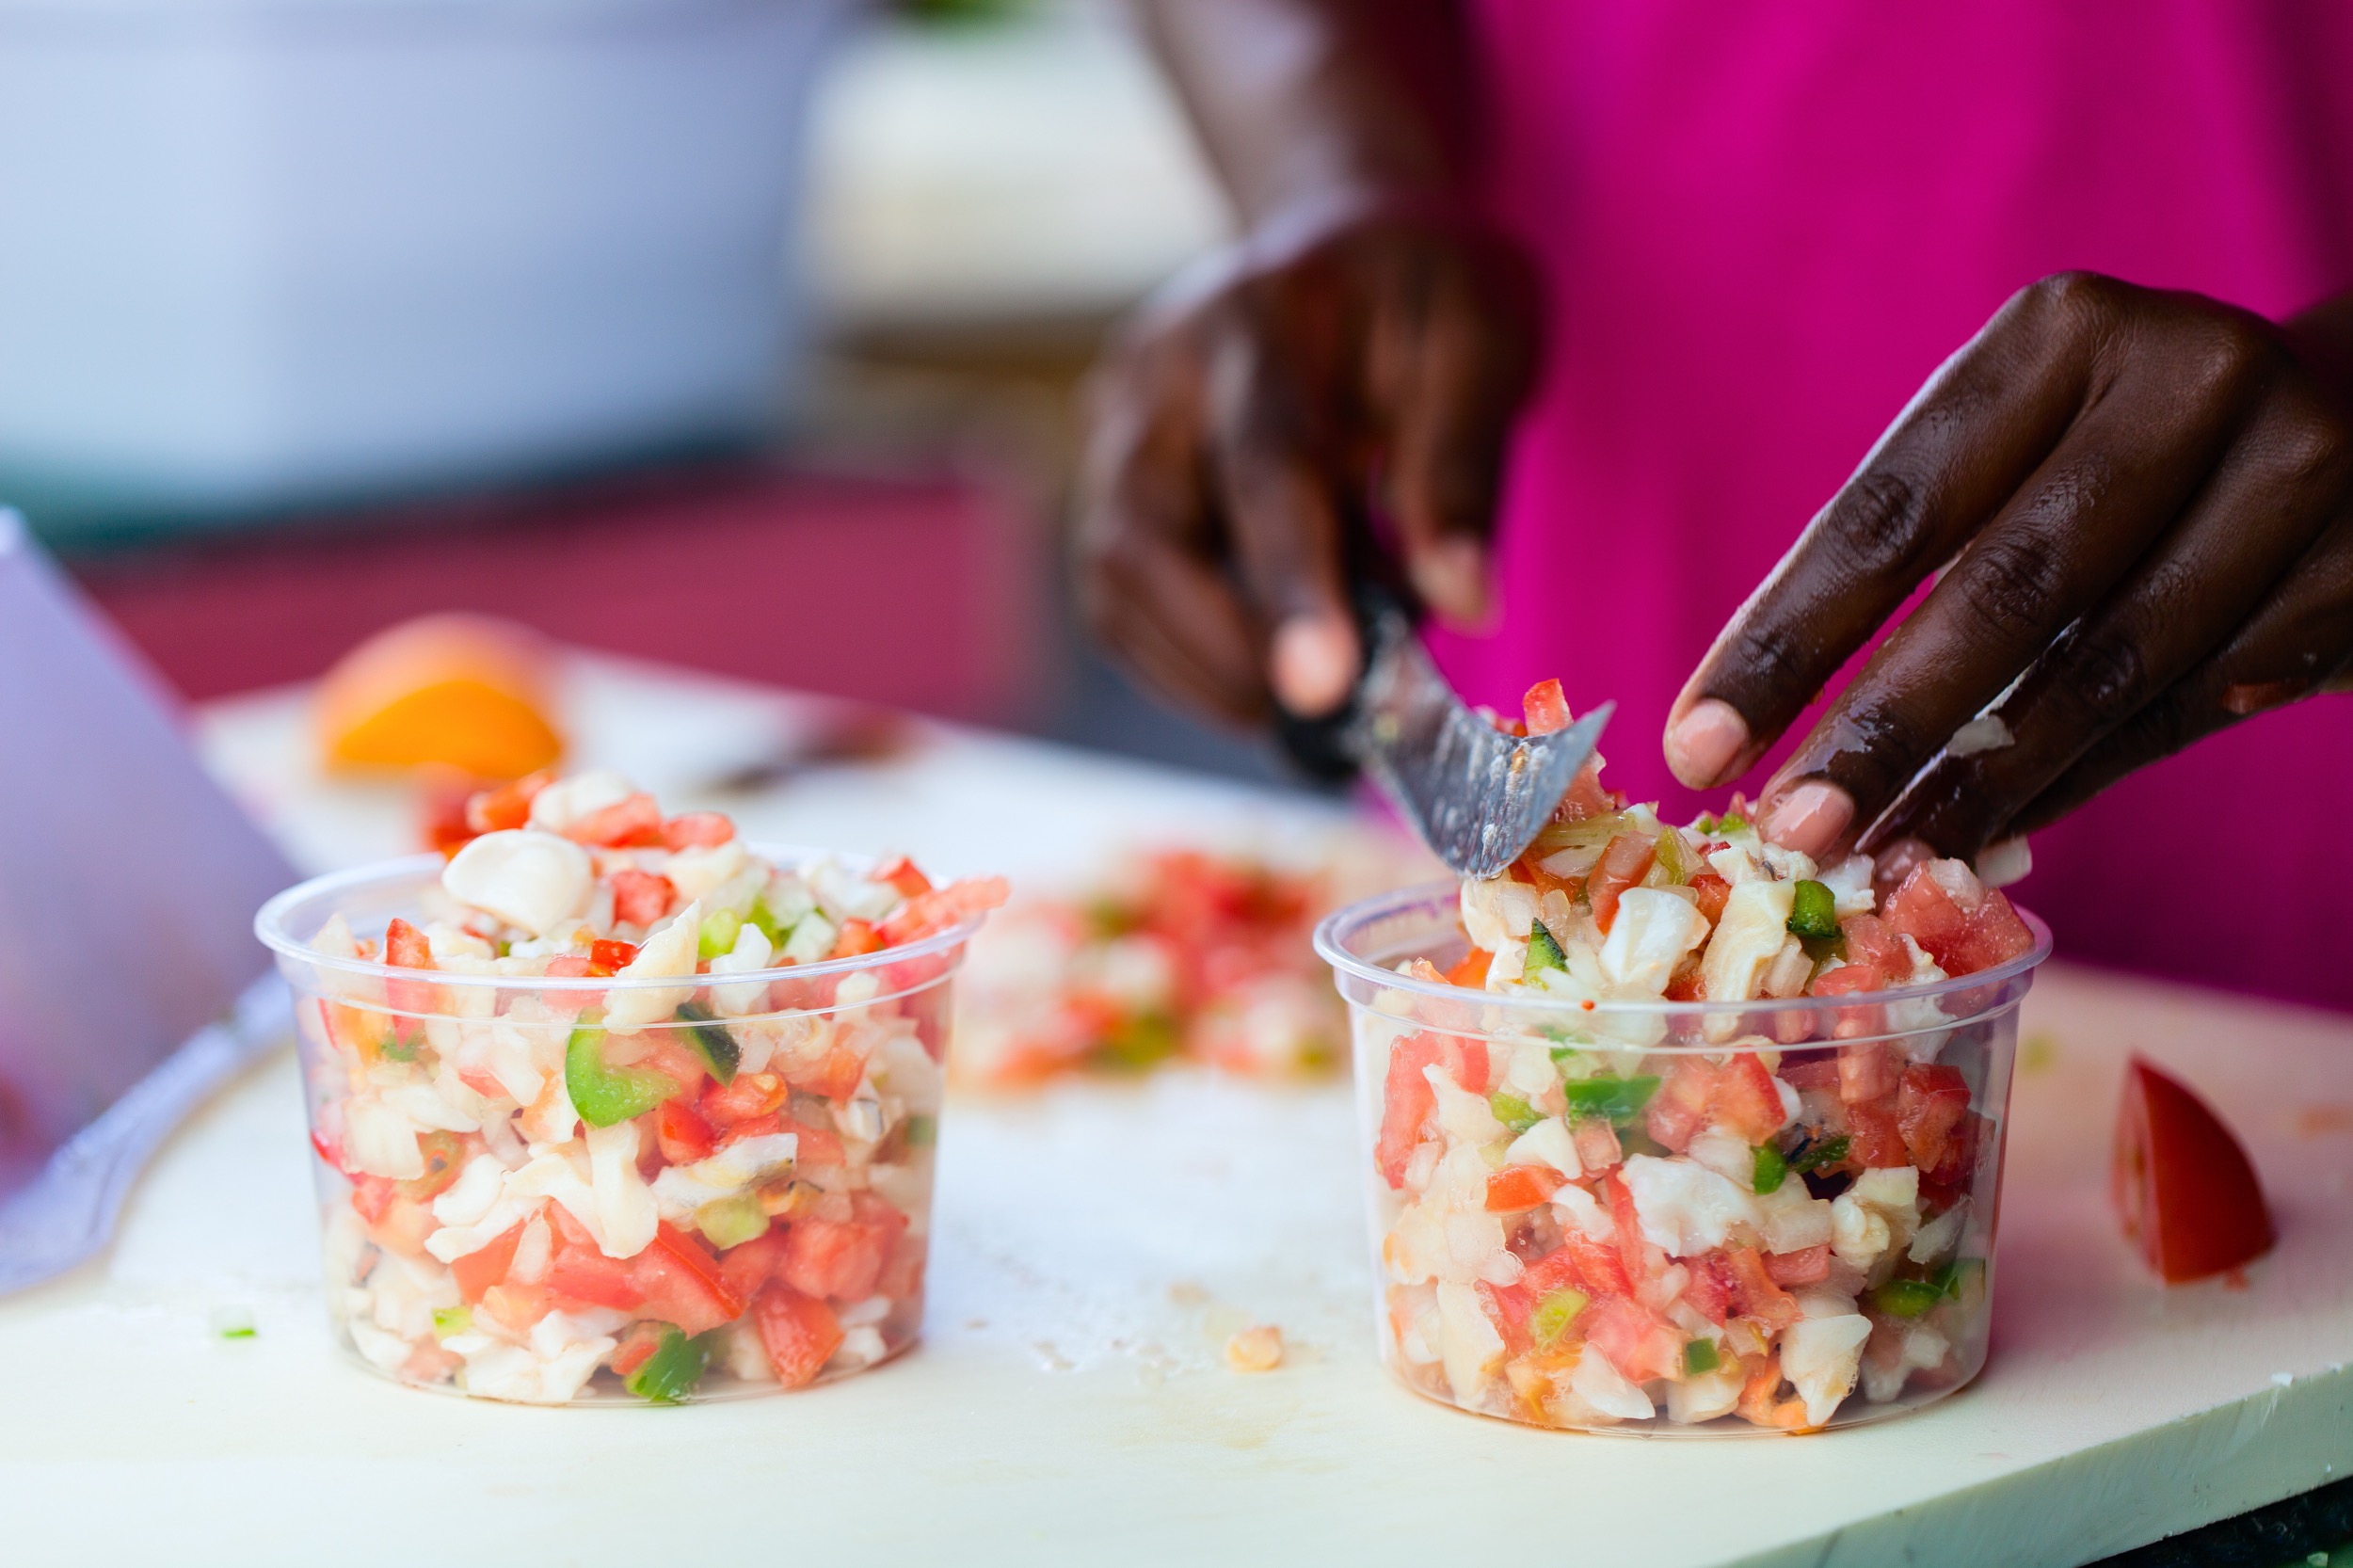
(130, 981)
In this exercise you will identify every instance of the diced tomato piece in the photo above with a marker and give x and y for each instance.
(901, 873)
(1876, 1143)
(1517, 1189)
(569, 1232)
(634, 822)
(641, 898)
(2184, 1188)
(857, 937)
(1471, 972)
(1744, 1098)
(406, 948)
(487, 1265)
(569, 966)
(1509, 1308)
(1555, 1270)
(1923, 911)
(1623, 863)
(748, 1267)
(680, 1283)
(1637, 1341)
(1806, 1071)
(371, 1196)
(1713, 891)
(1958, 1165)
(758, 1127)
(1755, 1295)
(1929, 1107)
(1867, 1072)
(1599, 1269)
(838, 1259)
(507, 806)
(1871, 944)
(836, 1077)
(1408, 1099)
(1995, 935)
(697, 830)
(516, 1306)
(607, 957)
(1547, 708)
(752, 1094)
(1807, 1266)
(1679, 1108)
(818, 1146)
(935, 911)
(639, 1343)
(1628, 1224)
(1847, 1023)
(1710, 1289)
(584, 1273)
(445, 1155)
(799, 1333)
(683, 1136)
(666, 1054)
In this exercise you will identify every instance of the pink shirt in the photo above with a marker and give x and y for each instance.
(1765, 224)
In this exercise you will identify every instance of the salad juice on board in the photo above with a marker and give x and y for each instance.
(1670, 1127)
(613, 1105)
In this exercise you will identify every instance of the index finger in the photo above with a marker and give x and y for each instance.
(1967, 440)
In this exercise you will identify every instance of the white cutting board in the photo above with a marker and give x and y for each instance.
(1094, 1244)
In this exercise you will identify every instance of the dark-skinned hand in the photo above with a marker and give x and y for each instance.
(1247, 420)
(2141, 505)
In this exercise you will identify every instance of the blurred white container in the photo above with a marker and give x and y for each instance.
(261, 253)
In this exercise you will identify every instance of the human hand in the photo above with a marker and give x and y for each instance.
(1241, 425)
(2146, 502)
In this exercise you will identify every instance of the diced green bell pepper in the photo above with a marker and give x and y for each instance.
(1620, 1099)
(605, 1095)
(1730, 823)
(1670, 865)
(451, 1319)
(766, 924)
(1905, 1298)
(1544, 952)
(1830, 1151)
(1699, 1355)
(1513, 1112)
(712, 1041)
(1553, 1316)
(1770, 1170)
(1814, 911)
(717, 935)
(670, 1374)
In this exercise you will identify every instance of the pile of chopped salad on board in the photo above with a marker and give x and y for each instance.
(1182, 955)
(536, 1192)
(1633, 1214)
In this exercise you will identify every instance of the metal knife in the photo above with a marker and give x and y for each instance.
(1476, 795)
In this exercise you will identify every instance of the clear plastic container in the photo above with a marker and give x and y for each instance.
(485, 1236)
(1674, 1216)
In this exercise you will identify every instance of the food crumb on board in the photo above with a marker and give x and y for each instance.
(233, 1323)
(1186, 1293)
(1255, 1348)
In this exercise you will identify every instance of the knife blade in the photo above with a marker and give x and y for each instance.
(1476, 795)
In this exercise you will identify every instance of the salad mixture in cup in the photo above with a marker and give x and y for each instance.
(614, 1104)
(1671, 1129)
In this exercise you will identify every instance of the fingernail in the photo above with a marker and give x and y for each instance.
(1451, 575)
(1702, 744)
(1315, 663)
(1810, 818)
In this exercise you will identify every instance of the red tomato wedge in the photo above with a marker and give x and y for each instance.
(1517, 1189)
(1407, 1098)
(681, 1284)
(1623, 863)
(799, 1333)
(2183, 1185)
(641, 898)
(1547, 708)
(487, 1265)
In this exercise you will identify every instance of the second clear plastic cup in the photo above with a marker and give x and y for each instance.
(514, 1208)
(1674, 1216)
